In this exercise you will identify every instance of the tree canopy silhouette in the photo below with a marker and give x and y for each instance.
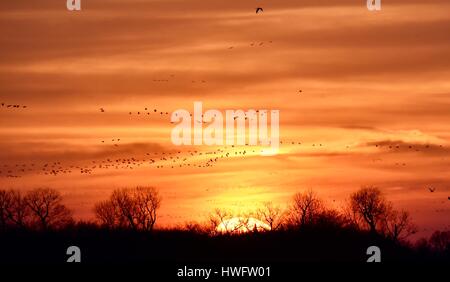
(305, 209)
(40, 208)
(368, 206)
(272, 215)
(130, 208)
(46, 208)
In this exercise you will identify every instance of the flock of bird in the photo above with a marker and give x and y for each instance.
(166, 160)
(12, 106)
(255, 44)
(160, 160)
(170, 160)
(416, 148)
(193, 159)
(114, 142)
(145, 111)
(149, 112)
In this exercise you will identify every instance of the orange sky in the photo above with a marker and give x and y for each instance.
(367, 78)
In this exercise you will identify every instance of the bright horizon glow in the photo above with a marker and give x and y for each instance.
(242, 225)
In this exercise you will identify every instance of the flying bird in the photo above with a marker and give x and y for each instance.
(432, 189)
(102, 110)
(259, 9)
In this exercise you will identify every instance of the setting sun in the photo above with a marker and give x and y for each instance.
(242, 225)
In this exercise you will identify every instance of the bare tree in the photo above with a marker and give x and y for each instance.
(331, 218)
(440, 241)
(368, 206)
(305, 209)
(351, 216)
(133, 208)
(14, 210)
(271, 215)
(18, 211)
(220, 218)
(249, 222)
(369, 209)
(122, 201)
(397, 224)
(46, 208)
(5, 204)
(147, 201)
(107, 214)
(196, 227)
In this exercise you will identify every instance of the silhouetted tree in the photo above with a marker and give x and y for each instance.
(220, 217)
(440, 241)
(224, 221)
(305, 209)
(422, 245)
(122, 201)
(147, 202)
(19, 211)
(5, 203)
(132, 208)
(331, 218)
(397, 224)
(107, 214)
(368, 206)
(271, 215)
(246, 223)
(196, 227)
(14, 210)
(46, 209)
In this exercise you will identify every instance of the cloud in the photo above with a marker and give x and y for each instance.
(400, 146)
(45, 152)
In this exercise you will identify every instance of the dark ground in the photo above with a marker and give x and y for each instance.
(100, 245)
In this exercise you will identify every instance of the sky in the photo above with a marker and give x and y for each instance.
(373, 107)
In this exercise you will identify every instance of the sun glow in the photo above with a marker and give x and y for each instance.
(269, 152)
(242, 225)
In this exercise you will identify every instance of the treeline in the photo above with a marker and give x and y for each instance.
(43, 209)
(366, 210)
(39, 209)
(136, 209)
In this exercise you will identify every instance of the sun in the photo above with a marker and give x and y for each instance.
(242, 225)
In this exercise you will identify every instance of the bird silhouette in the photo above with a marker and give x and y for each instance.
(432, 189)
(15, 106)
(259, 9)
